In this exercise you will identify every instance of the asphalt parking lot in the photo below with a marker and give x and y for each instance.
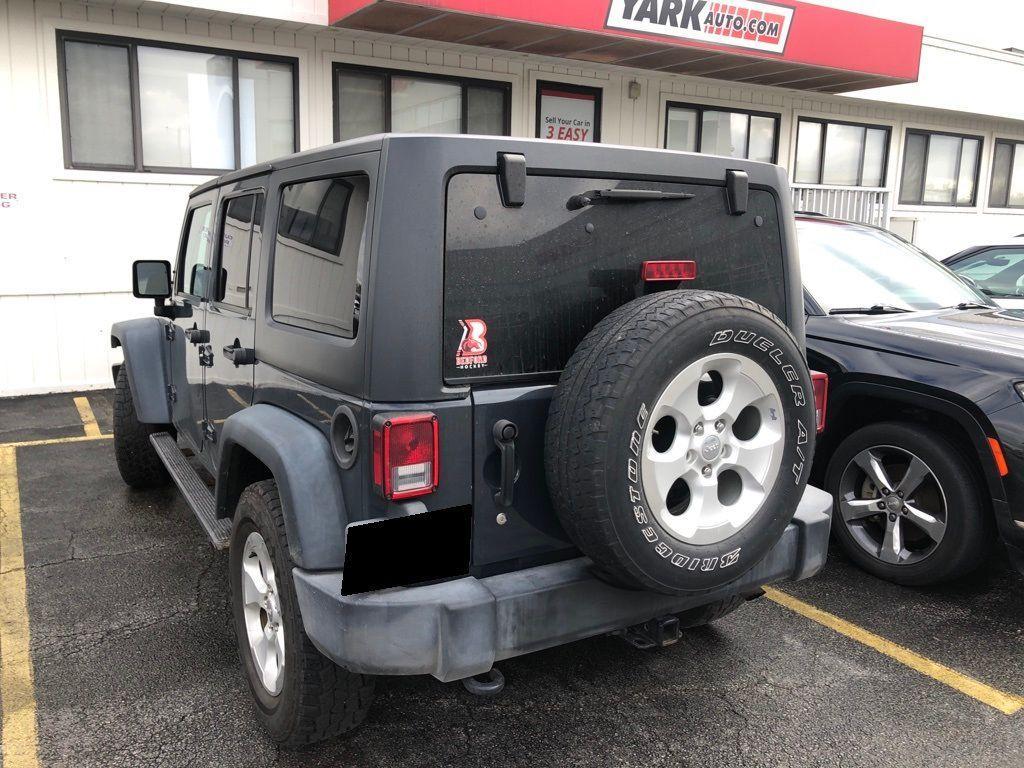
(126, 655)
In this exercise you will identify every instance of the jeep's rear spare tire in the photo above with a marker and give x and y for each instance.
(679, 440)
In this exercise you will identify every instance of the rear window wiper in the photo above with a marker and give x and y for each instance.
(874, 309)
(623, 196)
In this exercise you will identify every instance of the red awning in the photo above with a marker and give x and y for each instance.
(792, 44)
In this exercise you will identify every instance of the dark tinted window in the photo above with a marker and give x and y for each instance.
(997, 271)
(316, 254)
(194, 277)
(240, 222)
(523, 286)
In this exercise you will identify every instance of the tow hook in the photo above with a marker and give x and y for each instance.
(656, 633)
(490, 683)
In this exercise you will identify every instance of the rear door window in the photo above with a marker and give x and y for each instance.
(240, 233)
(523, 286)
(316, 254)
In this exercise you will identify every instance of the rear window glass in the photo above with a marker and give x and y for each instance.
(316, 254)
(523, 286)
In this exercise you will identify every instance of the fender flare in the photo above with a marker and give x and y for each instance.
(976, 426)
(147, 364)
(299, 457)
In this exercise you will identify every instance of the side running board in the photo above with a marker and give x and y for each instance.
(193, 489)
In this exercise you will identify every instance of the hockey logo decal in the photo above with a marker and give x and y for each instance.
(472, 351)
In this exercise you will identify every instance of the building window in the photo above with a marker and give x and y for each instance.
(1007, 189)
(131, 105)
(715, 131)
(370, 101)
(841, 154)
(940, 169)
(567, 112)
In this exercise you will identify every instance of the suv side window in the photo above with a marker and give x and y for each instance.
(194, 276)
(317, 253)
(998, 272)
(241, 232)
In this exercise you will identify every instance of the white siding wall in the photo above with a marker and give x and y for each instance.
(67, 242)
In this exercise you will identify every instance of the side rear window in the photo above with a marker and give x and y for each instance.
(998, 272)
(194, 276)
(317, 252)
(523, 286)
(240, 235)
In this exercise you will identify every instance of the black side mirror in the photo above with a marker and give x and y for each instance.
(151, 279)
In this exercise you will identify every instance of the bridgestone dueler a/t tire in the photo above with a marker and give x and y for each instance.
(597, 417)
(319, 699)
(137, 460)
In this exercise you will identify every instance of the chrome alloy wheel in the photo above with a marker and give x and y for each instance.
(893, 505)
(712, 448)
(262, 610)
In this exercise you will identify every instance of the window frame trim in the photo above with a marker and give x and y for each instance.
(928, 133)
(824, 122)
(1013, 144)
(584, 90)
(387, 73)
(702, 108)
(132, 45)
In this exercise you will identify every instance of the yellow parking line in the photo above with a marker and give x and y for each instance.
(237, 397)
(17, 696)
(56, 441)
(1006, 703)
(92, 429)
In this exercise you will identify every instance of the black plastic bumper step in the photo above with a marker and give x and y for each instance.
(192, 487)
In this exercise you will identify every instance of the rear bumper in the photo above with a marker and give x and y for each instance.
(460, 628)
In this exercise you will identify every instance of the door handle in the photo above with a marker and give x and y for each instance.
(239, 355)
(505, 433)
(197, 335)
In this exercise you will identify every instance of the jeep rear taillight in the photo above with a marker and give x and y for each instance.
(819, 383)
(669, 271)
(405, 455)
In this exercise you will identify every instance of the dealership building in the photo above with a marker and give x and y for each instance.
(113, 111)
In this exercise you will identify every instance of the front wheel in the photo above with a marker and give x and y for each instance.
(907, 507)
(137, 460)
(301, 696)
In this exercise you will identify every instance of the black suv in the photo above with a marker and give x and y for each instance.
(924, 450)
(446, 402)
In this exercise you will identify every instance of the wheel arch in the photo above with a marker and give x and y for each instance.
(857, 403)
(266, 442)
(147, 365)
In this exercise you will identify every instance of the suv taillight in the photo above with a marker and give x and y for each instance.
(668, 271)
(819, 383)
(405, 455)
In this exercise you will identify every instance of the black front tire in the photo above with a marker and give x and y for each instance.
(318, 699)
(137, 460)
(968, 536)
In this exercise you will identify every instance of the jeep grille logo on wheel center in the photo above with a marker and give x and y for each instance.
(746, 23)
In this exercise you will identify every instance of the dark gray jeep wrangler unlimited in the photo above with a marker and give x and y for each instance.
(451, 399)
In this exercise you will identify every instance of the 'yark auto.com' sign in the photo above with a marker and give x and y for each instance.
(743, 23)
